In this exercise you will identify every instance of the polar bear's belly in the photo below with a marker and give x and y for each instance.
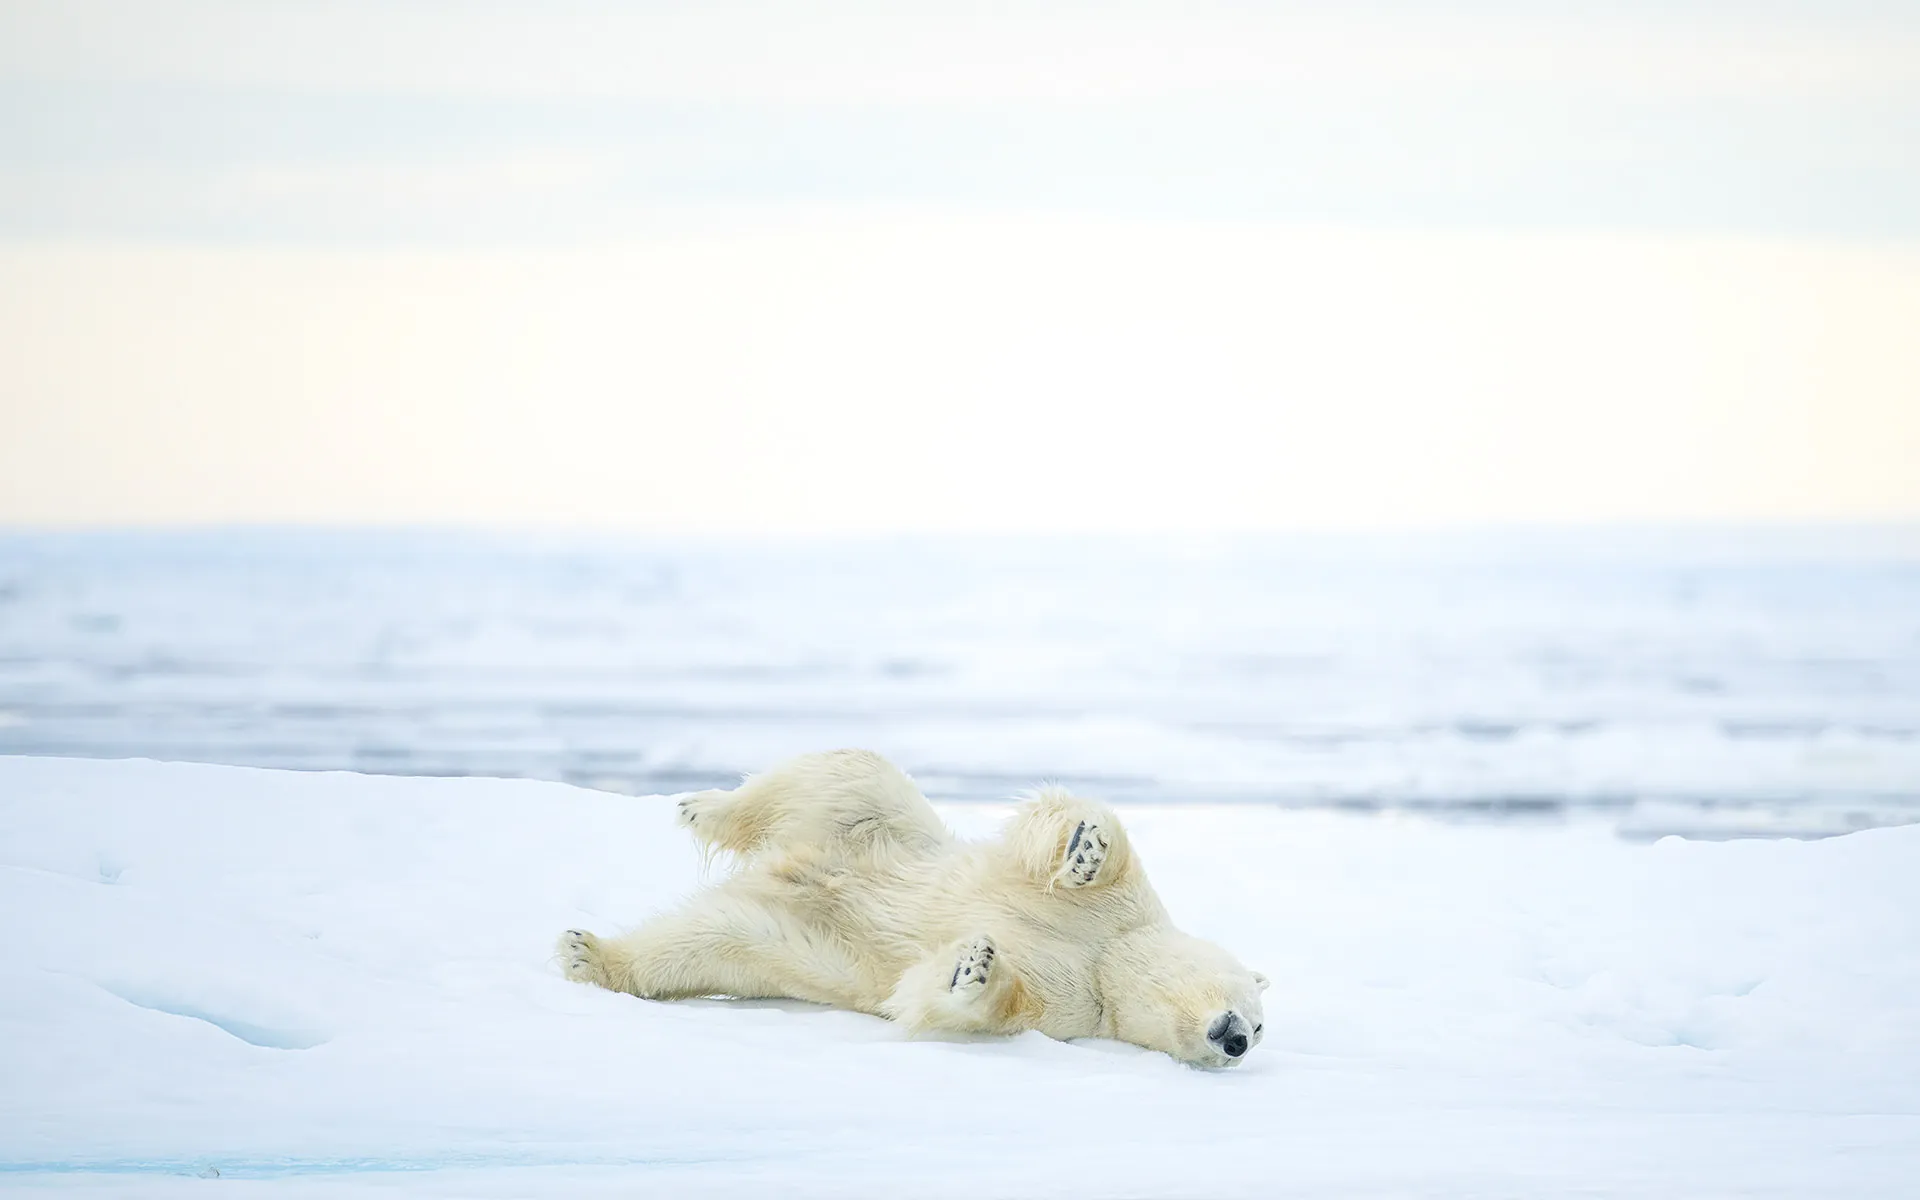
(903, 911)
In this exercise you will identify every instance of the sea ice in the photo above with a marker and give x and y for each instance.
(314, 983)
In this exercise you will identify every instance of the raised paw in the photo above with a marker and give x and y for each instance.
(579, 953)
(1086, 854)
(970, 972)
(694, 806)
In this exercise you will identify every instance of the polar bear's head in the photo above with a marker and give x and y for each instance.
(1183, 995)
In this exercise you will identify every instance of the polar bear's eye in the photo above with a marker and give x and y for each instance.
(1258, 1028)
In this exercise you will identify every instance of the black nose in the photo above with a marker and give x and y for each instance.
(1235, 1045)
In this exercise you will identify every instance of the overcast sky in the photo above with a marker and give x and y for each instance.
(484, 121)
(1197, 265)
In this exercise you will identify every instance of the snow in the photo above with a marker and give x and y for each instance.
(315, 983)
(1674, 683)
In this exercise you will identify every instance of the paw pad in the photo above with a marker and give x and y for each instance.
(1086, 854)
(970, 972)
(578, 949)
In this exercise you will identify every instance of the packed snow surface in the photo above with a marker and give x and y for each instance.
(311, 983)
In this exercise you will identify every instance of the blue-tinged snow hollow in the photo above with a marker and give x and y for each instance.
(318, 982)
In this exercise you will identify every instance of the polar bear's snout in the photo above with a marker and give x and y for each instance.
(1230, 1032)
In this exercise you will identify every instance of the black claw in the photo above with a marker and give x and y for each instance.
(1075, 843)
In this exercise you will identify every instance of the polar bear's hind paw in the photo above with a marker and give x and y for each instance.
(1086, 854)
(579, 954)
(970, 972)
(691, 807)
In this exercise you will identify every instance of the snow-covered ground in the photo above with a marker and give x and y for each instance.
(312, 983)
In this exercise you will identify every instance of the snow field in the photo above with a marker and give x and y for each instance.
(315, 983)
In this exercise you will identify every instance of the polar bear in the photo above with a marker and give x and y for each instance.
(848, 890)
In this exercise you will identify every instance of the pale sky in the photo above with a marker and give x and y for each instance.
(830, 268)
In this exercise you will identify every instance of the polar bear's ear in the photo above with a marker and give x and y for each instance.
(1263, 982)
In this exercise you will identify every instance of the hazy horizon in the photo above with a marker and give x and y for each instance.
(733, 269)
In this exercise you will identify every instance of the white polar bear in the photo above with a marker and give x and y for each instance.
(849, 891)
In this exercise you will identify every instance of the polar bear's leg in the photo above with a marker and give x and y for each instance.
(968, 988)
(1063, 841)
(847, 799)
(723, 820)
(717, 945)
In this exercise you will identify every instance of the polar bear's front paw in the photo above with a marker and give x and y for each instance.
(970, 972)
(1086, 854)
(579, 953)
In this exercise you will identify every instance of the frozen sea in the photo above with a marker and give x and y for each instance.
(315, 985)
(1704, 683)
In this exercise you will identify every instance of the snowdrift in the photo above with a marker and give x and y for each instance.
(311, 983)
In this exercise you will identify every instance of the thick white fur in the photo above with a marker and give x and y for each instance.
(848, 890)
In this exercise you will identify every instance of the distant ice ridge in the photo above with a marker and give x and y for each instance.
(319, 983)
(1707, 684)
